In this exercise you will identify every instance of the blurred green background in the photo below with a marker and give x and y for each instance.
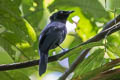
(21, 22)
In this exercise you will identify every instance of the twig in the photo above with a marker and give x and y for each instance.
(56, 57)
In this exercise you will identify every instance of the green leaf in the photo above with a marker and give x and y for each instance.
(8, 47)
(15, 27)
(15, 31)
(99, 70)
(31, 31)
(78, 49)
(112, 5)
(17, 2)
(16, 75)
(93, 61)
(5, 76)
(108, 75)
(4, 57)
(85, 28)
(33, 11)
(88, 7)
(113, 44)
(111, 55)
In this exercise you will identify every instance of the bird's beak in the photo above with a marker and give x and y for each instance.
(70, 12)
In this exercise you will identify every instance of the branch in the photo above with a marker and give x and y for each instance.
(99, 36)
(96, 73)
(74, 64)
(108, 75)
(31, 63)
(101, 70)
(106, 31)
(112, 22)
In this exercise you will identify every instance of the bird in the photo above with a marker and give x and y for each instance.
(52, 36)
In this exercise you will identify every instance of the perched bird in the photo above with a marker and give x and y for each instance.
(52, 36)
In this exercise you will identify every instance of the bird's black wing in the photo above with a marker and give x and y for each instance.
(50, 36)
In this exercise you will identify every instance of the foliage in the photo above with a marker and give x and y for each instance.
(21, 22)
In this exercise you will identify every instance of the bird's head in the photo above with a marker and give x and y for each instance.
(60, 16)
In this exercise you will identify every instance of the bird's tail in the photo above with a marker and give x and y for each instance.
(43, 62)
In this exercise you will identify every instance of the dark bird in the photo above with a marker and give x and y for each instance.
(52, 36)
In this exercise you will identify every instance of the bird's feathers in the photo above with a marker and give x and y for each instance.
(43, 62)
(52, 35)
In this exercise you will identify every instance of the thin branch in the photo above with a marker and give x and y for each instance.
(56, 57)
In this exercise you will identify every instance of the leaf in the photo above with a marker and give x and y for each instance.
(7, 47)
(108, 75)
(4, 57)
(16, 75)
(78, 49)
(14, 24)
(113, 43)
(112, 5)
(5, 76)
(17, 3)
(85, 9)
(85, 28)
(101, 69)
(93, 61)
(88, 7)
(15, 30)
(111, 55)
(33, 11)
(31, 31)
